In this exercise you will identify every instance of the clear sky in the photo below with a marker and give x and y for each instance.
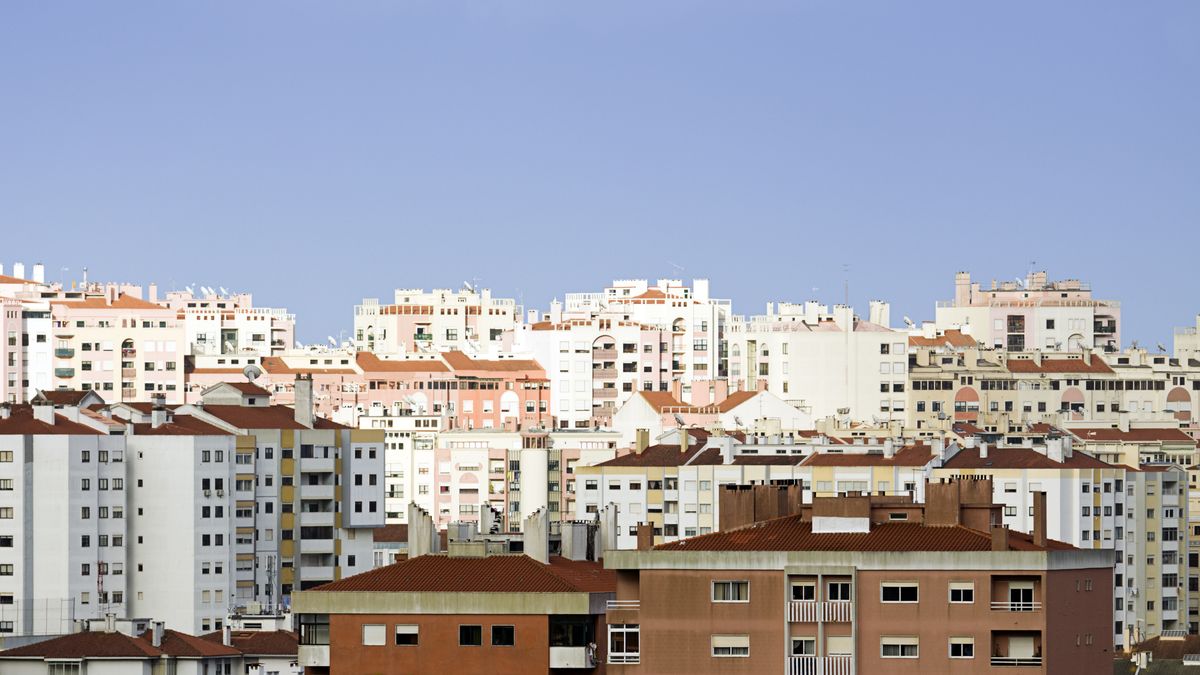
(315, 153)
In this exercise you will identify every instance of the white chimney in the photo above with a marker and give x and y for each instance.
(39, 273)
(304, 400)
(156, 634)
(1068, 443)
(227, 635)
(5, 410)
(983, 450)
(1054, 449)
(19, 270)
(43, 412)
(970, 441)
(938, 446)
(110, 623)
(889, 448)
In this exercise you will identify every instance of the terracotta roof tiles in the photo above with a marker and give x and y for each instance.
(1020, 458)
(493, 574)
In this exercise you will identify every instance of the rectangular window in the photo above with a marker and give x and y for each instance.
(470, 636)
(962, 648)
(624, 643)
(804, 591)
(731, 645)
(373, 635)
(899, 647)
(839, 591)
(962, 592)
(804, 646)
(503, 636)
(407, 634)
(731, 591)
(898, 592)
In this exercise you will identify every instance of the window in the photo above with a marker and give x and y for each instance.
(898, 592)
(839, 591)
(470, 636)
(731, 591)
(899, 647)
(804, 591)
(731, 645)
(407, 634)
(962, 648)
(962, 591)
(373, 635)
(503, 636)
(804, 646)
(624, 643)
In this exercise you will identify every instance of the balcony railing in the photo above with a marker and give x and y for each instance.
(604, 373)
(1017, 606)
(624, 658)
(1014, 661)
(604, 354)
(625, 604)
(800, 611)
(606, 392)
(64, 352)
(820, 665)
(64, 372)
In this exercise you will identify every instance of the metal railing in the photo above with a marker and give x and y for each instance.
(624, 604)
(1017, 606)
(802, 611)
(1013, 661)
(624, 658)
(820, 665)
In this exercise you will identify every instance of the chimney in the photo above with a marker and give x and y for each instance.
(1067, 442)
(1039, 519)
(110, 623)
(5, 410)
(938, 447)
(43, 411)
(156, 634)
(970, 441)
(645, 536)
(683, 440)
(1000, 538)
(422, 535)
(303, 403)
(39, 273)
(536, 534)
(983, 450)
(153, 293)
(227, 635)
(1054, 449)
(889, 448)
(158, 413)
(642, 442)
(19, 270)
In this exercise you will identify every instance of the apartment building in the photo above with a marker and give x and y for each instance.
(475, 608)
(229, 323)
(674, 485)
(1187, 342)
(596, 364)
(307, 492)
(1032, 313)
(856, 585)
(466, 320)
(1137, 513)
(991, 388)
(822, 362)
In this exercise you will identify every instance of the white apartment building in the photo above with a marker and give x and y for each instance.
(1187, 342)
(229, 323)
(1032, 313)
(465, 320)
(825, 363)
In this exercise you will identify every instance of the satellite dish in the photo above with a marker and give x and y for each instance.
(1020, 282)
(298, 345)
(332, 340)
(909, 322)
(679, 420)
(252, 372)
(737, 420)
(1161, 348)
(468, 287)
(190, 289)
(229, 345)
(223, 291)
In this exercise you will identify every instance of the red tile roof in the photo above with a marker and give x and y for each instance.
(265, 417)
(1020, 458)
(735, 399)
(123, 301)
(1097, 365)
(183, 645)
(493, 574)
(180, 425)
(1164, 435)
(460, 361)
(21, 422)
(661, 399)
(792, 533)
(917, 454)
(65, 396)
(248, 388)
(370, 363)
(5, 279)
(259, 642)
(955, 338)
(88, 644)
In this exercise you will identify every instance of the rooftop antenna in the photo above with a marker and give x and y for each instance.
(85, 277)
(1161, 347)
(1134, 344)
(677, 268)
(846, 284)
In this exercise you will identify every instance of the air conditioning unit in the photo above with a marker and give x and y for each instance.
(208, 493)
(220, 493)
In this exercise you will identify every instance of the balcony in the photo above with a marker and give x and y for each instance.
(317, 519)
(572, 657)
(1017, 606)
(603, 393)
(315, 656)
(800, 611)
(622, 611)
(128, 373)
(604, 354)
(1016, 662)
(423, 337)
(820, 665)
(64, 372)
(317, 491)
(128, 352)
(309, 572)
(604, 373)
(64, 352)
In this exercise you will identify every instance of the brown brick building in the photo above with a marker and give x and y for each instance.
(862, 585)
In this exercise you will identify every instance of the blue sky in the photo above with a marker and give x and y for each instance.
(319, 152)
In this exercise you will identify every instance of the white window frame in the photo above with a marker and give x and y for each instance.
(902, 641)
(731, 583)
(960, 640)
(713, 640)
(961, 586)
(899, 584)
